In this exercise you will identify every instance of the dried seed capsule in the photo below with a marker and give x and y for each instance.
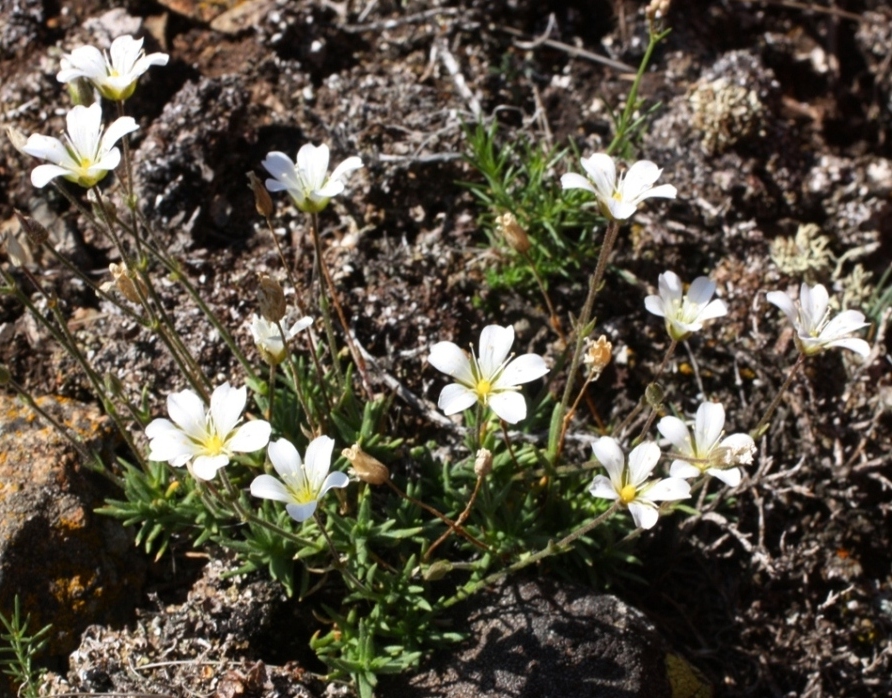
(271, 298)
(263, 202)
(367, 468)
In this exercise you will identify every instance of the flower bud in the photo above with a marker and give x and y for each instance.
(271, 298)
(653, 395)
(14, 250)
(123, 282)
(263, 202)
(514, 235)
(34, 230)
(483, 462)
(17, 138)
(113, 384)
(367, 468)
(437, 570)
(5, 375)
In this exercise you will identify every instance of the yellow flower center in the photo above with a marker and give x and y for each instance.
(627, 494)
(483, 389)
(617, 195)
(214, 445)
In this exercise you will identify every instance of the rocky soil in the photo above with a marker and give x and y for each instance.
(776, 128)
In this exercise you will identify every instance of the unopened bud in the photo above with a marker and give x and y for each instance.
(14, 250)
(263, 202)
(271, 298)
(483, 462)
(123, 282)
(512, 232)
(5, 375)
(113, 384)
(17, 138)
(654, 395)
(597, 355)
(81, 92)
(367, 468)
(35, 231)
(437, 570)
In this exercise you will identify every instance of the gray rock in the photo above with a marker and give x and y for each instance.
(549, 640)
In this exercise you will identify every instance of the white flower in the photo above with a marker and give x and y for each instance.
(86, 155)
(618, 197)
(685, 313)
(208, 438)
(307, 182)
(302, 485)
(115, 73)
(814, 328)
(490, 378)
(630, 485)
(704, 453)
(269, 340)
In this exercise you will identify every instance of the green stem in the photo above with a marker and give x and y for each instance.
(759, 429)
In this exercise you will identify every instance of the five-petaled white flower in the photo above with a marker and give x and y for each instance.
(685, 313)
(302, 484)
(86, 155)
(704, 453)
(269, 340)
(630, 485)
(115, 73)
(307, 182)
(208, 438)
(618, 197)
(814, 328)
(490, 378)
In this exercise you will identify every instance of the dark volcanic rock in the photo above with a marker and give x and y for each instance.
(550, 640)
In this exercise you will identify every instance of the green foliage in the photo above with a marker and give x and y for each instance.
(521, 178)
(18, 651)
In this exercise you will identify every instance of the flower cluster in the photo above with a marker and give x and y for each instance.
(87, 152)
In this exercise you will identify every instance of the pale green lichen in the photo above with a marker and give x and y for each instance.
(806, 255)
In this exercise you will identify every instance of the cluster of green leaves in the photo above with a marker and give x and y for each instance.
(520, 177)
(18, 651)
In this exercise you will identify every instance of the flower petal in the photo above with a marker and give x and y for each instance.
(285, 459)
(572, 180)
(187, 411)
(654, 304)
(495, 345)
(701, 290)
(206, 467)
(602, 171)
(227, 404)
(785, 303)
(644, 515)
(668, 489)
(602, 487)
(313, 165)
(317, 461)
(642, 461)
(451, 360)
(250, 437)
(301, 512)
(336, 479)
(708, 426)
(730, 476)
(610, 455)
(44, 174)
(678, 434)
(859, 346)
(638, 180)
(456, 398)
(509, 405)
(683, 469)
(521, 370)
(268, 487)
(345, 168)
